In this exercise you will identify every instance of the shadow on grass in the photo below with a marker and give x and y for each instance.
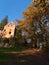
(10, 49)
(15, 59)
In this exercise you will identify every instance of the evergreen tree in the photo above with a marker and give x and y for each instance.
(3, 22)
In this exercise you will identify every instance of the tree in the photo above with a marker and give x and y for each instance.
(36, 18)
(3, 22)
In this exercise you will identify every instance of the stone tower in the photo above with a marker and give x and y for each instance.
(9, 30)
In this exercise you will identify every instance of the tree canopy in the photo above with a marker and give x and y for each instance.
(3, 22)
(36, 19)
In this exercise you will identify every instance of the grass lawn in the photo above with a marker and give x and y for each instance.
(14, 59)
(17, 59)
(9, 58)
(10, 49)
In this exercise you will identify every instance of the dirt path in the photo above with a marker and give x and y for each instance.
(26, 51)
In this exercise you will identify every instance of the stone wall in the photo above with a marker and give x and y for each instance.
(8, 30)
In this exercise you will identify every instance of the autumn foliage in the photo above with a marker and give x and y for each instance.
(35, 23)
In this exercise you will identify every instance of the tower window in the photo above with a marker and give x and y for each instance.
(9, 32)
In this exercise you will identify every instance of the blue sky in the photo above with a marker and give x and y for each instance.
(13, 8)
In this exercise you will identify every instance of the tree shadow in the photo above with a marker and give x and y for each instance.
(24, 59)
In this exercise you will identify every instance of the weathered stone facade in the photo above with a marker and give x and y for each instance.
(8, 30)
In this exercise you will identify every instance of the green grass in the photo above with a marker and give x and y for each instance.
(10, 49)
(7, 49)
(17, 59)
(11, 59)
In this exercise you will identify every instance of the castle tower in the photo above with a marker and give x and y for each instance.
(9, 30)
